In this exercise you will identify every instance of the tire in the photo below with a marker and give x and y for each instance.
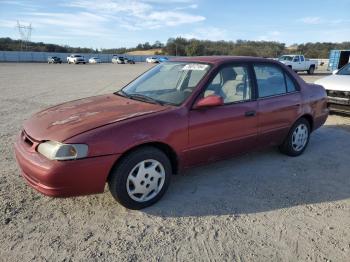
(297, 139)
(311, 70)
(126, 177)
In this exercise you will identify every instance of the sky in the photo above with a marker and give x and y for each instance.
(125, 23)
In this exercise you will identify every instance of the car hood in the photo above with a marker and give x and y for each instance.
(66, 120)
(335, 82)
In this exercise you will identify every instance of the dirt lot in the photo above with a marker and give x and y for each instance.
(262, 206)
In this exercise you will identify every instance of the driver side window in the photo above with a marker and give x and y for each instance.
(232, 83)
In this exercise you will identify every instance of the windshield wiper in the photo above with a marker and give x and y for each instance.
(144, 98)
(122, 93)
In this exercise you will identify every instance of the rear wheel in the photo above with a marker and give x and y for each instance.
(297, 139)
(311, 70)
(141, 178)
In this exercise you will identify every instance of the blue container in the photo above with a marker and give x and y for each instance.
(337, 59)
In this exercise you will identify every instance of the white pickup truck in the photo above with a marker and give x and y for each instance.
(75, 59)
(298, 63)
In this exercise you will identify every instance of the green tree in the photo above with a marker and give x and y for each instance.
(195, 48)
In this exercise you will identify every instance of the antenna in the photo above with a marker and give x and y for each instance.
(25, 32)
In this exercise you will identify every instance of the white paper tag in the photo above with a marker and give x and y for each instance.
(199, 67)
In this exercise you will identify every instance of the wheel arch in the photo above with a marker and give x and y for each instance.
(310, 119)
(165, 148)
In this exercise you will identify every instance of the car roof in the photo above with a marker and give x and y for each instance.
(216, 60)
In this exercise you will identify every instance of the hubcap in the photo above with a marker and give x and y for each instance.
(299, 137)
(145, 180)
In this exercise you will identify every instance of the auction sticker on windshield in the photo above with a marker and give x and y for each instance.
(199, 67)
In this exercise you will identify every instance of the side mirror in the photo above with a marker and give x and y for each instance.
(335, 72)
(209, 101)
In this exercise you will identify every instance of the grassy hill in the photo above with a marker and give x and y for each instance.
(146, 52)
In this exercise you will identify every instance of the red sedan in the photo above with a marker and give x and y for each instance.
(179, 114)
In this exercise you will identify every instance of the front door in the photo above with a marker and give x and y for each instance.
(230, 129)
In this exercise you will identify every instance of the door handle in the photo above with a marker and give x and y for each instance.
(250, 113)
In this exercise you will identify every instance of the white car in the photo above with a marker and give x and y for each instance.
(298, 63)
(118, 60)
(94, 60)
(152, 60)
(338, 89)
(75, 59)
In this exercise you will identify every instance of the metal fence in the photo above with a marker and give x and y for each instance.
(23, 56)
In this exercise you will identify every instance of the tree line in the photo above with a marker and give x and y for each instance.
(191, 47)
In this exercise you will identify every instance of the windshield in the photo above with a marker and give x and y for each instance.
(285, 58)
(345, 70)
(169, 82)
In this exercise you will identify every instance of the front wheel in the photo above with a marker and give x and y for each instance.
(141, 178)
(297, 139)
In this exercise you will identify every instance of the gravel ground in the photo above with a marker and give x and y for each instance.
(262, 206)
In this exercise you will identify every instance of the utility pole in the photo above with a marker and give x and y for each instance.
(25, 33)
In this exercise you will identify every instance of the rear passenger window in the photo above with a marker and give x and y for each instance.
(270, 80)
(273, 81)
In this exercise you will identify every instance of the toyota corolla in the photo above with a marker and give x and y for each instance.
(177, 115)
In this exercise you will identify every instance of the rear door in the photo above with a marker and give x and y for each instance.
(279, 103)
(230, 129)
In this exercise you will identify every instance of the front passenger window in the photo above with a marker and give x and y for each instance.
(232, 83)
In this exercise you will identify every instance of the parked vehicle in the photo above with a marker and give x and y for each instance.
(153, 60)
(54, 60)
(338, 59)
(298, 63)
(177, 115)
(129, 61)
(94, 60)
(118, 60)
(75, 59)
(162, 59)
(338, 89)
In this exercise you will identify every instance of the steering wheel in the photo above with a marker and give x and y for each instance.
(187, 89)
(240, 87)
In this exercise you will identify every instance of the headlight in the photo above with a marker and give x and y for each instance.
(57, 151)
